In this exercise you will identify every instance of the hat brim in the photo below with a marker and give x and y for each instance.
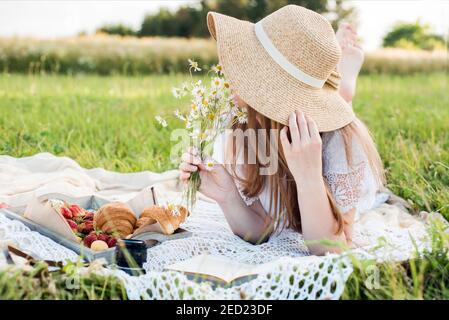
(266, 86)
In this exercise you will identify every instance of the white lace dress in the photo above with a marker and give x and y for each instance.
(352, 186)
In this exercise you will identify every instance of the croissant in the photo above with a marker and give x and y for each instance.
(115, 217)
(168, 219)
(145, 219)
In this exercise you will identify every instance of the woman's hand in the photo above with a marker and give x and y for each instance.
(250, 223)
(303, 152)
(304, 159)
(216, 182)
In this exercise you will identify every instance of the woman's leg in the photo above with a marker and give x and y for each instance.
(351, 60)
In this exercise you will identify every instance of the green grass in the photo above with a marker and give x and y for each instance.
(38, 283)
(98, 121)
(409, 118)
(109, 122)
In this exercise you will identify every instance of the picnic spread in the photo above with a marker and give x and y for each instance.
(292, 274)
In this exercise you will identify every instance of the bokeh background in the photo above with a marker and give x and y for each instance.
(147, 37)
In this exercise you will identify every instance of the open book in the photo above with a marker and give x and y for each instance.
(219, 268)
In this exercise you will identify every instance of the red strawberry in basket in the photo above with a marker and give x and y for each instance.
(89, 216)
(90, 238)
(89, 226)
(86, 227)
(66, 213)
(76, 210)
(103, 237)
(112, 242)
(72, 224)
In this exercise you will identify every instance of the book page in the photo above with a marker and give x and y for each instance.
(215, 266)
(224, 268)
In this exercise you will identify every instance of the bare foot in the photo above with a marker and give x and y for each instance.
(351, 60)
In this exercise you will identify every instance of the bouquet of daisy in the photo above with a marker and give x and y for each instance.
(212, 110)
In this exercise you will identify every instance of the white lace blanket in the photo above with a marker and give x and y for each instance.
(295, 275)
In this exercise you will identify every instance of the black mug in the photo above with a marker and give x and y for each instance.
(130, 255)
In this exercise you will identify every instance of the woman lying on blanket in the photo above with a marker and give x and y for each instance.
(282, 70)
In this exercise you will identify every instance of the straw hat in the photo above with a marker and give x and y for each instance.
(283, 63)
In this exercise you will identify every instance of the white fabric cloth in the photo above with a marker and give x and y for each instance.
(352, 187)
(23, 178)
(295, 275)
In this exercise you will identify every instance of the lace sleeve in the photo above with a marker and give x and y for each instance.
(248, 200)
(352, 186)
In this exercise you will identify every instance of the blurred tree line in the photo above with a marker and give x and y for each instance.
(117, 29)
(413, 36)
(189, 20)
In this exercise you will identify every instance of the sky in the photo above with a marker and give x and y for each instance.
(53, 19)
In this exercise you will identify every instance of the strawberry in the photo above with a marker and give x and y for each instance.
(89, 216)
(103, 237)
(76, 210)
(90, 238)
(78, 219)
(72, 224)
(89, 226)
(86, 227)
(66, 213)
(112, 242)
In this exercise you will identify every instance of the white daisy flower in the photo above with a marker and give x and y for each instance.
(195, 109)
(173, 209)
(233, 108)
(194, 65)
(217, 83)
(204, 136)
(161, 121)
(217, 95)
(217, 69)
(209, 164)
(176, 92)
(198, 91)
(242, 117)
(179, 115)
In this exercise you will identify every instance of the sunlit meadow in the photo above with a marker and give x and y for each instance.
(109, 122)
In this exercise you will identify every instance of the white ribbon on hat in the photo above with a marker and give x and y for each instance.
(282, 61)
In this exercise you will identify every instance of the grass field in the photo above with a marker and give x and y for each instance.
(109, 122)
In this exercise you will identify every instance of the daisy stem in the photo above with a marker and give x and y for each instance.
(192, 187)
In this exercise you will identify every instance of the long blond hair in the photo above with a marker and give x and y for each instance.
(281, 184)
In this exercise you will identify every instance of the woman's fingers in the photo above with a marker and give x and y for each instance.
(293, 127)
(284, 139)
(313, 129)
(193, 151)
(299, 129)
(184, 166)
(189, 164)
(302, 124)
(190, 158)
(184, 176)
